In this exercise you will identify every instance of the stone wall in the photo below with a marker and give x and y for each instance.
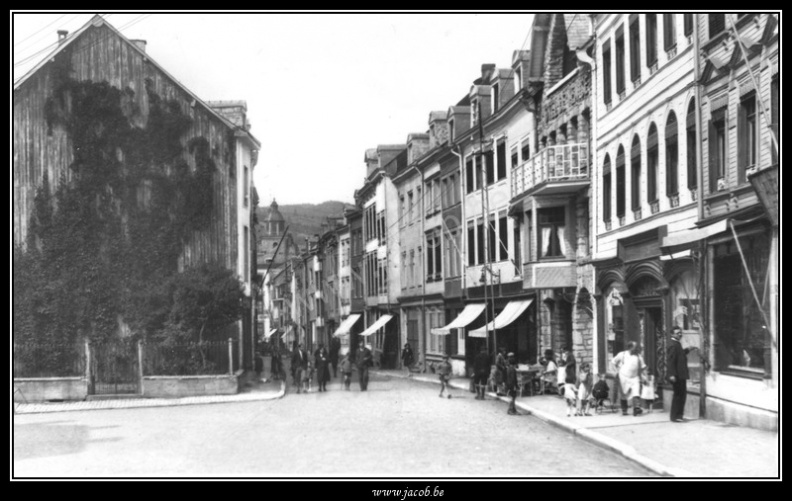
(189, 386)
(55, 388)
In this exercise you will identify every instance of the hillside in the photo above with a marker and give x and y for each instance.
(305, 220)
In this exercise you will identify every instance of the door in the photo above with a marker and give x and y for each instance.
(654, 341)
(114, 368)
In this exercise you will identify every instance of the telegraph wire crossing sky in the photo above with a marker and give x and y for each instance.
(320, 88)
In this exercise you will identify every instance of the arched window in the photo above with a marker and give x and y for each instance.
(606, 189)
(635, 170)
(651, 164)
(672, 156)
(692, 174)
(620, 183)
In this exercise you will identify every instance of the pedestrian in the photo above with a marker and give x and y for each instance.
(335, 349)
(567, 364)
(511, 383)
(677, 373)
(322, 364)
(481, 370)
(571, 363)
(364, 360)
(299, 363)
(276, 366)
(500, 371)
(444, 371)
(346, 370)
(631, 369)
(407, 358)
(570, 391)
(600, 392)
(584, 385)
(550, 372)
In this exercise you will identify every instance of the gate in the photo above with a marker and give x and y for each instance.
(115, 368)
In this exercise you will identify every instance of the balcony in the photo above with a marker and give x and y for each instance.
(562, 169)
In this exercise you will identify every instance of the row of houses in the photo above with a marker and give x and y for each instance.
(506, 223)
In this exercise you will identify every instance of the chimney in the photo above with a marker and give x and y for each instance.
(62, 34)
(234, 111)
(486, 72)
(438, 128)
(371, 160)
(140, 44)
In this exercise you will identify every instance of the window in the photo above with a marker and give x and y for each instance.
(437, 193)
(471, 243)
(490, 167)
(501, 151)
(672, 156)
(429, 197)
(635, 48)
(526, 150)
(741, 339)
(410, 201)
(651, 39)
(495, 98)
(491, 238)
(517, 248)
(635, 170)
(411, 280)
(480, 241)
(717, 23)
(437, 250)
(606, 72)
(669, 31)
(606, 190)
(551, 232)
(451, 130)
(529, 232)
(688, 29)
(474, 111)
(381, 227)
(517, 80)
(503, 237)
(246, 257)
(621, 183)
(717, 148)
(620, 60)
(748, 134)
(245, 189)
(470, 174)
(515, 158)
(652, 159)
(774, 118)
(692, 172)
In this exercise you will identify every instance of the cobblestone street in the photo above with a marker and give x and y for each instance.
(397, 428)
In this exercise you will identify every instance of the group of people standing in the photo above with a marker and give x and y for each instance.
(304, 368)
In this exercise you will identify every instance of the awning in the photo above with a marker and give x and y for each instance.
(376, 325)
(271, 332)
(469, 314)
(509, 314)
(346, 325)
(683, 240)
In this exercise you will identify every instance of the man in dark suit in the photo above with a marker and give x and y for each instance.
(365, 359)
(481, 371)
(299, 362)
(677, 373)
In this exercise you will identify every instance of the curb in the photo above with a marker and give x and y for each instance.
(140, 403)
(598, 439)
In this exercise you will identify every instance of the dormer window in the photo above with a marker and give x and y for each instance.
(451, 131)
(495, 97)
(473, 111)
(517, 80)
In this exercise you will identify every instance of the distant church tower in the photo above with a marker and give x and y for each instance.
(274, 225)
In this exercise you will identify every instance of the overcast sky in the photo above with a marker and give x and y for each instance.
(320, 88)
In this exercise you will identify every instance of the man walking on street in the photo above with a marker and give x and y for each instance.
(299, 362)
(364, 360)
(677, 372)
(511, 383)
(481, 371)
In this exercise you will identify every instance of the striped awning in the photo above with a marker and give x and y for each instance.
(381, 321)
(509, 314)
(468, 315)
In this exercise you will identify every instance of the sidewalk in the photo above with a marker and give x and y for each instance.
(256, 391)
(698, 448)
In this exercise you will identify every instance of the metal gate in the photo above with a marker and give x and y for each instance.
(115, 368)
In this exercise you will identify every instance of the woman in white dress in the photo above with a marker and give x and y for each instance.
(632, 369)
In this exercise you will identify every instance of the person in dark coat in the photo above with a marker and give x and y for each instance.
(407, 358)
(276, 366)
(677, 373)
(511, 383)
(299, 363)
(335, 349)
(365, 359)
(322, 364)
(481, 371)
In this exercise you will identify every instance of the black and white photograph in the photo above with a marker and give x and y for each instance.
(400, 247)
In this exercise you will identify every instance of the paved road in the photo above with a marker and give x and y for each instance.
(399, 428)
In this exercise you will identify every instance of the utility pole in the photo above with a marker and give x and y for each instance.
(485, 213)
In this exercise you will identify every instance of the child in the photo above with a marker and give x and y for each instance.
(562, 373)
(550, 371)
(444, 370)
(307, 377)
(648, 392)
(600, 391)
(584, 383)
(570, 392)
(346, 370)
